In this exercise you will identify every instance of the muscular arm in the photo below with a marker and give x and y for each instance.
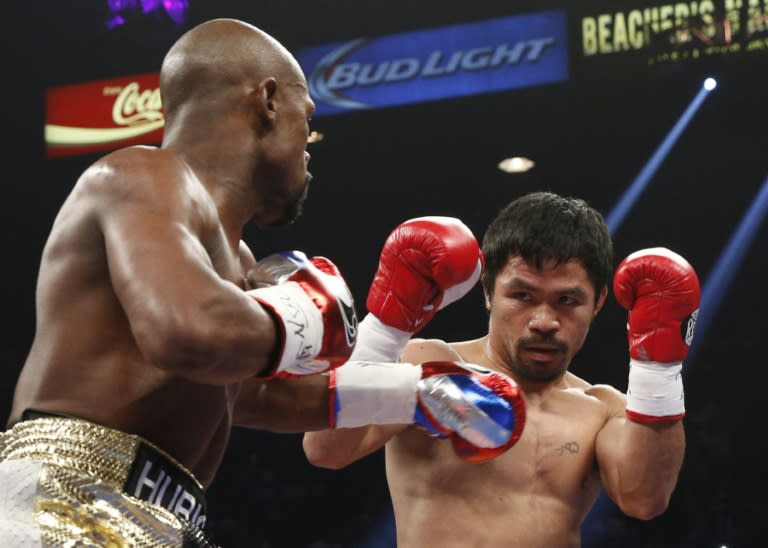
(156, 220)
(639, 464)
(283, 405)
(640, 449)
(339, 448)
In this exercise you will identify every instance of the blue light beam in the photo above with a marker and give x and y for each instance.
(591, 526)
(727, 265)
(632, 194)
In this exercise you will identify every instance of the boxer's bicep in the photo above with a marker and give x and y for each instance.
(151, 256)
(609, 440)
(183, 315)
(152, 250)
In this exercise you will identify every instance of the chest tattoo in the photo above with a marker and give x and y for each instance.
(571, 447)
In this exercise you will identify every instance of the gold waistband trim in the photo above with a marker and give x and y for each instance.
(78, 445)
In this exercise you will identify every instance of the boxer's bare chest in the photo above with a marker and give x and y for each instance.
(555, 457)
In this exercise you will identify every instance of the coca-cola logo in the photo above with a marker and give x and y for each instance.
(134, 106)
(104, 114)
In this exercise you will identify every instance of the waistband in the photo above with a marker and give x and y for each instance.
(134, 465)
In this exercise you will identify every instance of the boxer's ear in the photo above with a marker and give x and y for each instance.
(600, 301)
(265, 98)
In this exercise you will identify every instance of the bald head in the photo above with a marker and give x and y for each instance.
(220, 56)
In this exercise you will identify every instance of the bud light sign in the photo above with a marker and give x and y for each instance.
(468, 59)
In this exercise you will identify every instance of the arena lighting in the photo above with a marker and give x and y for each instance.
(603, 505)
(632, 194)
(516, 164)
(315, 136)
(727, 265)
(122, 12)
(713, 290)
(710, 84)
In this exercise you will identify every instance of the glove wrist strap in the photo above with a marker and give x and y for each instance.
(655, 392)
(379, 342)
(300, 323)
(365, 393)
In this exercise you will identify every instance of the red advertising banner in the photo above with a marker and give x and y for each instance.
(103, 115)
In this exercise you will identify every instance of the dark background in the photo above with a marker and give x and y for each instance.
(590, 137)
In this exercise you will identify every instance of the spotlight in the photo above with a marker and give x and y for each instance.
(516, 164)
(709, 84)
(636, 188)
(718, 282)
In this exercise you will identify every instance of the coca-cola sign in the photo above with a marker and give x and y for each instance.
(103, 115)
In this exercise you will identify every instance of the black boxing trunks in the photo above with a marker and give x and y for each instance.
(70, 482)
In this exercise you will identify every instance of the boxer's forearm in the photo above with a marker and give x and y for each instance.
(641, 462)
(302, 405)
(284, 405)
(641, 467)
(338, 448)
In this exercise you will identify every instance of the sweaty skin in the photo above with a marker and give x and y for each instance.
(576, 436)
(535, 494)
(142, 320)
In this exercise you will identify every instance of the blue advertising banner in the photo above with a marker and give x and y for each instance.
(481, 57)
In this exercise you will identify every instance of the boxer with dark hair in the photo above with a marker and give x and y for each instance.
(548, 266)
(155, 332)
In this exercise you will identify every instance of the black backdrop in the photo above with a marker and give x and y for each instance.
(590, 137)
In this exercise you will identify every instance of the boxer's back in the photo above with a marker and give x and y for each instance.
(84, 360)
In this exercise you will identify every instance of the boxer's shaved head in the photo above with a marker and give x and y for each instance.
(218, 55)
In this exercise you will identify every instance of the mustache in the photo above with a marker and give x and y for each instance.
(542, 340)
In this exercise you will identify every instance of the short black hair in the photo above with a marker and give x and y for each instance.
(542, 226)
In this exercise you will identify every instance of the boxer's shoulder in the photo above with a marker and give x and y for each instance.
(611, 400)
(156, 179)
(140, 166)
(421, 349)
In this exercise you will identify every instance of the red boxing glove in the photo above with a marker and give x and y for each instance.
(426, 264)
(662, 293)
(314, 310)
